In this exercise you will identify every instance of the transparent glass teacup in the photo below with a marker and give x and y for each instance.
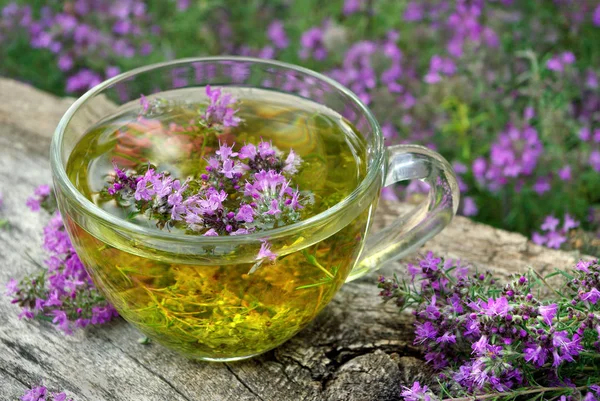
(199, 295)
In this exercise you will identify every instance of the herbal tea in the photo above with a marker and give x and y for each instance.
(215, 163)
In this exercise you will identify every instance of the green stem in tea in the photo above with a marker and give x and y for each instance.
(313, 261)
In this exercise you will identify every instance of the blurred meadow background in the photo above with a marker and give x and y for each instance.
(507, 90)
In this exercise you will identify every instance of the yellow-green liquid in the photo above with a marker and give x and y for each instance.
(220, 311)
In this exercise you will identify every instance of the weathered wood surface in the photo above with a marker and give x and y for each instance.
(357, 349)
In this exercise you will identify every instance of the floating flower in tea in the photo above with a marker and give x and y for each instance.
(241, 192)
(217, 203)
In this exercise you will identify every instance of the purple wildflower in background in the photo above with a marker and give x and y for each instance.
(82, 31)
(438, 67)
(276, 34)
(111, 71)
(388, 194)
(551, 235)
(414, 11)
(183, 5)
(465, 26)
(591, 79)
(83, 80)
(352, 6)
(469, 206)
(514, 154)
(585, 134)
(312, 44)
(565, 173)
(594, 160)
(359, 73)
(529, 113)
(558, 62)
(542, 185)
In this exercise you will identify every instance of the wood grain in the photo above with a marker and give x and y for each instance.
(357, 349)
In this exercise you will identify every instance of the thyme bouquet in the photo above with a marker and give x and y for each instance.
(488, 340)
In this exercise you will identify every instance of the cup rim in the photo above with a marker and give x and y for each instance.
(59, 172)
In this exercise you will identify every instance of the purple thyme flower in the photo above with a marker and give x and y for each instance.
(388, 194)
(447, 338)
(430, 262)
(569, 223)
(277, 35)
(265, 149)
(220, 110)
(536, 355)
(11, 287)
(417, 393)
(292, 162)
(82, 80)
(596, 16)
(60, 292)
(312, 44)
(224, 204)
(542, 185)
(414, 11)
(35, 394)
(565, 173)
(438, 67)
(248, 152)
(565, 348)
(495, 307)
(146, 186)
(40, 195)
(145, 104)
(558, 62)
(265, 252)
(594, 160)
(352, 6)
(514, 154)
(225, 152)
(591, 296)
(211, 233)
(245, 213)
(389, 132)
(584, 265)
(481, 346)
(550, 223)
(469, 207)
(40, 393)
(554, 237)
(424, 332)
(548, 312)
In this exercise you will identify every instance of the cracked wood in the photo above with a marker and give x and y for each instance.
(357, 349)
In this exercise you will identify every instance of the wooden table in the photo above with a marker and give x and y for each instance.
(357, 349)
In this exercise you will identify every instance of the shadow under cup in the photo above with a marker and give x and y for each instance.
(194, 294)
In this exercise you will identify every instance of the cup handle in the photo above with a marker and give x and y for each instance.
(408, 232)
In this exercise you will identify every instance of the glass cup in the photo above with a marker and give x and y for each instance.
(205, 296)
